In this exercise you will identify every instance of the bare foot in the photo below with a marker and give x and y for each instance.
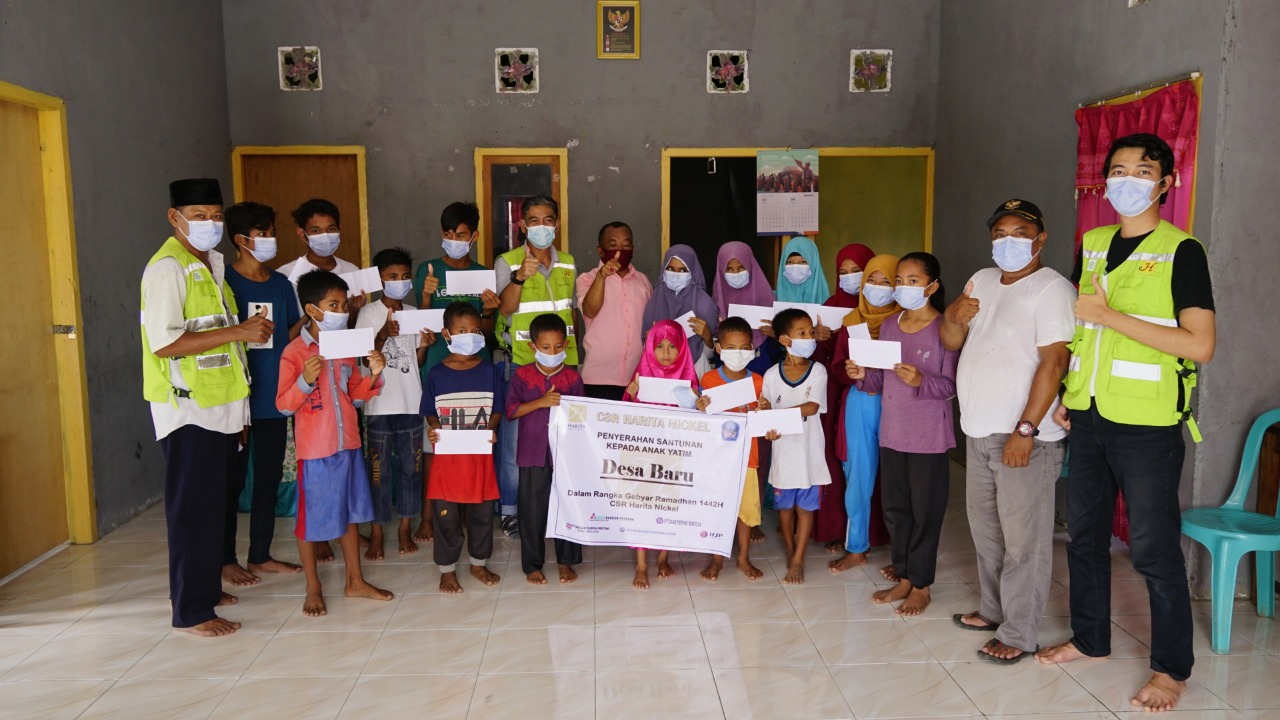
(641, 581)
(228, 599)
(536, 578)
(363, 589)
(374, 543)
(567, 574)
(888, 572)
(313, 605)
(365, 541)
(275, 566)
(425, 532)
(449, 583)
(751, 571)
(848, 562)
(238, 576)
(407, 545)
(216, 627)
(1066, 652)
(917, 600)
(893, 594)
(484, 575)
(324, 553)
(795, 574)
(757, 535)
(712, 570)
(835, 547)
(1160, 694)
(665, 570)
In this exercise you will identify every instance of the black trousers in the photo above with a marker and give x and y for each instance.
(450, 519)
(533, 501)
(267, 439)
(605, 392)
(913, 494)
(199, 465)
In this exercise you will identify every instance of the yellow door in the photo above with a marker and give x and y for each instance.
(33, 508)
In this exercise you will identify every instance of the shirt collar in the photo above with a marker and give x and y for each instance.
(307, 337)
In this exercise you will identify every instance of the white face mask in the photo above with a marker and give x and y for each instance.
(1130, 196)
(466, 343)
(456, 249)
(677, 281)
(878, 295)
(204, 235)
(264, 248)
(737, 360)
(1012, 253)
(911, 297)
(396, 289)
(851, 282)
(324, 244)
(550, 361)
(802, 347)
(797, 274)
(333, 320)
(737, 280)
(541, 236)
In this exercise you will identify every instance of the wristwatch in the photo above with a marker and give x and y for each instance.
(1027, 429)
(515, 279)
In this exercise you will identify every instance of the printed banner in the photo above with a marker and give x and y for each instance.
(646, 475)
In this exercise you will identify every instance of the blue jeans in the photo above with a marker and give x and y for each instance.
(395, 465)
(505, 460)
(1145, 464)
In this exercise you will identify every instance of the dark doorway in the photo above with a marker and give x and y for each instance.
(713, 201)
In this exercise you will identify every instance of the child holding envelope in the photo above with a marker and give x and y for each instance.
(915, 430)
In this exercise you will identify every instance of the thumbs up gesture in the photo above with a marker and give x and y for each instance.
(429, 286)
(964, 308)
(1093, 308)
(612, 266)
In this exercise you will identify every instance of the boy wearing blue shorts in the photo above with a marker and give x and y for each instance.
(333, 484)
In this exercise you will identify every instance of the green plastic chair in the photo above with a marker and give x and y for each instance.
(1229, 532)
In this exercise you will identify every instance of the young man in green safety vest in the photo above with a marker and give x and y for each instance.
(194, 375)
(1144, 319)
(532, 279)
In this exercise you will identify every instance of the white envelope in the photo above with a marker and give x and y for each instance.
(832, 317)
(338, 344)
(363, 281)
(470, 282)
(660, 390)
(786, 421)
(860, 331)
(684, 321)
(731, 395)
(464, 442)
(413, 322)
(883, 354)
(755, 315)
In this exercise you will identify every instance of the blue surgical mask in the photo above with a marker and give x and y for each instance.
(877, 295)
(851, 282)
(324, 244)
(1012, 253)
(333, 320)
(550, 361)
(456, 249)
(1130, 196)
(738, 280)
(910, 297)
(677, 281)
(466, 343)
(204, 235)
(797, 274)
(396, 289)
(264, 248)
(802, 347)
(541, 236)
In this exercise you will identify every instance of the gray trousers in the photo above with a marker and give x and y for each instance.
(1011, 518)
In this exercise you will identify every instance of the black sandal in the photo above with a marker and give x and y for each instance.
(958, 619)
(993, 643)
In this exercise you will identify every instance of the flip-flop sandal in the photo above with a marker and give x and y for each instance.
(1004, 661)
(958, 619)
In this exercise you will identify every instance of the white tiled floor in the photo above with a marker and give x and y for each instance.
(85, 634)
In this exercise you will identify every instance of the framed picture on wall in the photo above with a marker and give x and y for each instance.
(618, 29)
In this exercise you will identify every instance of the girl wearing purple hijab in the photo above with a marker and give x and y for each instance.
(740, 280)
(683, 288)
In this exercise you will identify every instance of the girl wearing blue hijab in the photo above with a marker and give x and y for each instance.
(800, 275)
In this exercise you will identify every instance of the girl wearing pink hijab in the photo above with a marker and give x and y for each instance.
(739, 280)
(666, 355)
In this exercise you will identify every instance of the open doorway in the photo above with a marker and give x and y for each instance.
(880, 197)
(505, 178)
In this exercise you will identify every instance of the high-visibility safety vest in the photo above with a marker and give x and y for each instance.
(1132, 383)
(214, 377)
(539, 295)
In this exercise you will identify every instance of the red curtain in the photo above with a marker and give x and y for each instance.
(1172, 113)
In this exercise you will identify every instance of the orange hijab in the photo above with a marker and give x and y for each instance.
(868, 313)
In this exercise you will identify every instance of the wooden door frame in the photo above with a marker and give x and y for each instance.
(925, 152)
(513, 156)
(237, 176)
(73, 388)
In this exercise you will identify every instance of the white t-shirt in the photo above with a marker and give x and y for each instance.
(799, 461)
(295, 269)
(1001, 354)
(402, 383)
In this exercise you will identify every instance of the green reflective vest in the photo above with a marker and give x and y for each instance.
(216, 376)
(540, 294)
(1132, 383)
